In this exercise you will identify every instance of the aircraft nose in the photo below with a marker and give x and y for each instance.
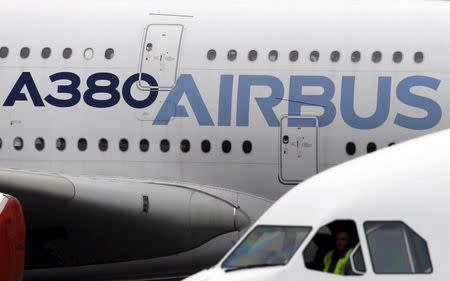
(241, 219)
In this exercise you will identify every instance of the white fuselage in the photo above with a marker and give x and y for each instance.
(364, 27)
(221, 99)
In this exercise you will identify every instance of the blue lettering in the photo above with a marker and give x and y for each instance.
(266, 104)
(348, 104)
(130, 100)
(185, 85)
(16, 94)
(71, 89)
(225, 98)
(297, 99)
(404, 94)
(110, 89)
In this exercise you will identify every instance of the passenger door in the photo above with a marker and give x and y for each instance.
(160, 54)
(298, 148)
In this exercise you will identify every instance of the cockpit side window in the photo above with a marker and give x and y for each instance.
(335, 249)
(395, 248)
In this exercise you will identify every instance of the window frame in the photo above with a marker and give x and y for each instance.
(63, 144)
(294, 55)
(46, 53)
(67, 53)
(4, 52)
(413, 231)
(103, 145)
(232, 55)
(205, 144)
(36, 145)
(22, 144)
(164, 143)
(293, 257)
(109, 53)
(185, 146)
(211, 54)
(124, 145)
(317, 228)
(143, 142)
(82, 144)
(335, 56)
(225, 148)
(25, 52)
(355, 56)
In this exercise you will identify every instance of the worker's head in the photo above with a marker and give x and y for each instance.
(342, 240)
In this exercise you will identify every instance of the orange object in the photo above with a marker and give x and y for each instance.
(12, 241)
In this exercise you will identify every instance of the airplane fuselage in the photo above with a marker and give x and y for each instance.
(82, 74)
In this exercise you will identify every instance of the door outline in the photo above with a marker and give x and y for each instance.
(165, 88)
(280, 146)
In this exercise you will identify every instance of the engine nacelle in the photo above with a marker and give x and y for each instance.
(12, 239)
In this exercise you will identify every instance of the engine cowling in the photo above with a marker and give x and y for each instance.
(12, 239)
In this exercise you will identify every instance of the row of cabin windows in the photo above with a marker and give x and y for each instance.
(144, 145)
(314, 56)
(350, 147)
(46, 52)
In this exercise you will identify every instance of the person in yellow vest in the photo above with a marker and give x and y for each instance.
(336, 261)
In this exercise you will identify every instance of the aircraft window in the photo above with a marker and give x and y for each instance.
(357, 261)
(67, 53)
(314, 56)
(356, 56)
(335, 56)
(88, 53)
(109, 53)
(211, 55)
(335, 249)
(82, 144)
(293, 56)
(25, 52)
(273, 55)
(164, 145)
(4, 52)
(376, 56)
(232, 55)
(103, 144)
(396, 248)
(206, 146)
(226, 146)
(397, 57)
(39, 144)
(1, 143)
(61, 144)
(123, 145)
(350, 148)
(371, 147)
(391, 144)
(252, 55)
(267, 246)
(418, 57)
(46, 52)
(185, 146)
(247, 147)
(144, 145)
(18, 143)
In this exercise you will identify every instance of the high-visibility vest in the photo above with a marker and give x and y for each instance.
(340, 265)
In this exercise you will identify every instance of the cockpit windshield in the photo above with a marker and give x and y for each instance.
(267, 246)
